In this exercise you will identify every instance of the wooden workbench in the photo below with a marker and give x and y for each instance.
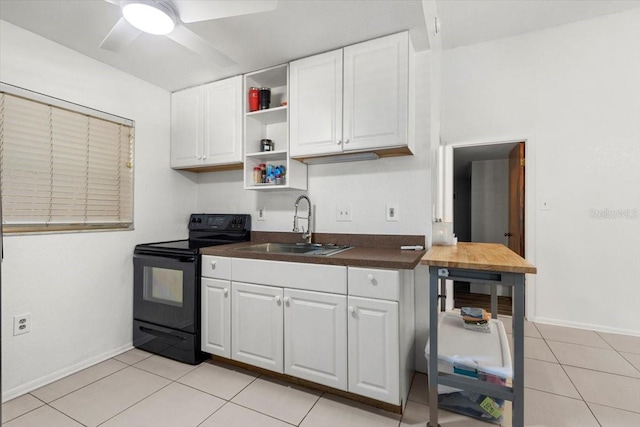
(492, 264)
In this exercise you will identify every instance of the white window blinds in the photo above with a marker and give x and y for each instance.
(63, 169)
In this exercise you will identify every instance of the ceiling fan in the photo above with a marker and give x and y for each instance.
(167, 17)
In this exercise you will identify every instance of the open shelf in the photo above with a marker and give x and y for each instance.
(273, 124)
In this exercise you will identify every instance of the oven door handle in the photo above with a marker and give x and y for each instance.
(161, 334)
(179, 258)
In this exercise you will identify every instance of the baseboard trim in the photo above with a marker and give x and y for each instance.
(48, 379)
(580, 325)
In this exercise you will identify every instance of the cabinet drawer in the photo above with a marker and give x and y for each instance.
(374, 283)
(296, 275)
(216, 267)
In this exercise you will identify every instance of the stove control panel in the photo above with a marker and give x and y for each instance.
(220, 222)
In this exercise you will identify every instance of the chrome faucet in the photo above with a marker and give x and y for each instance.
(305, 234)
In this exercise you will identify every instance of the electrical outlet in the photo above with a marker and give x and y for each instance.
(261, 214)
(343, 213)
(392, 211)
(21, 324)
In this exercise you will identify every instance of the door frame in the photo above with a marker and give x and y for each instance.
(444, 207)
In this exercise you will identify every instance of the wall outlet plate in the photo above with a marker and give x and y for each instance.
(392, 211)
(343, 213)
(261, 214)
(21, 324)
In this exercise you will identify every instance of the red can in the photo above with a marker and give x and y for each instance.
(254, 99)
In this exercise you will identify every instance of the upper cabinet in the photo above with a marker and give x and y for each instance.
(354, 99)
(206, 126)
(271, 124)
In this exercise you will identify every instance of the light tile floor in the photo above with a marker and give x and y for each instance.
(572, 378)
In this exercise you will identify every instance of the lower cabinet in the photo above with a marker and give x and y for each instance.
(348, 328)
(315, 337)
(373, 349)
(257, 325)
(299, 333)
(216, 308)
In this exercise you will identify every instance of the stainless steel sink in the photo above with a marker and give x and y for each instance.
(295, 248)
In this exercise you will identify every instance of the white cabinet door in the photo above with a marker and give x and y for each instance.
(316, 105)
(373, 349)
(315, 337)
(223, 122)
(257, 325)
(216, 317)
(376, 84)
(186, 128)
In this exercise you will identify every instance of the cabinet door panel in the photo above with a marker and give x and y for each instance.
(315, 327)
(373, 349)
(223, 121)
(186, 128)
(216, 317)
(376, 83)
(257, 325)
(316, 105)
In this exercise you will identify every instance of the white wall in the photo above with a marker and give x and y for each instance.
(573, 93)
(78, 287)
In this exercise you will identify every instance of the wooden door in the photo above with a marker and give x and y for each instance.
(374, 364)
(516, 199)
(316, 105)
(186, 128)
(216, 317)
(376, 76)
(257, 325)
(222, 101)
(315, 337)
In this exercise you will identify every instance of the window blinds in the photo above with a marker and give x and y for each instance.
(63, 169)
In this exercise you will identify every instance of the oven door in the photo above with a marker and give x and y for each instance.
(165, 290)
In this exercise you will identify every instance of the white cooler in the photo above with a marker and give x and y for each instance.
(461, 349)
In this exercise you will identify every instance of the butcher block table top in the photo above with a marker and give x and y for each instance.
(477, 256)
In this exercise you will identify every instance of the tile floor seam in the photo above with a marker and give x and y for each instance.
(622, 354)
(322, 393)
(226, 402)
(556, 394)
(66, 415)
(21, 415)
(79, 388)
(262, 413)
(613, 407)
(134, 404)
(597, 370)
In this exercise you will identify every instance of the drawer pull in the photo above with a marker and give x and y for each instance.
(352, 309)
(213, 265)
(226, 292)
(286, 300)
(370, 277)
(278, 299)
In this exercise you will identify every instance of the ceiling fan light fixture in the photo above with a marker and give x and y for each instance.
(150, 17)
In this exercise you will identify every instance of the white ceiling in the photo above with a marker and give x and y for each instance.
(295, 29)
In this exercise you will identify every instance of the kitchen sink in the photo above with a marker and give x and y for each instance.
(295, 249)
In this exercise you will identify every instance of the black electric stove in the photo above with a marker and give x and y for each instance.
(166, 286)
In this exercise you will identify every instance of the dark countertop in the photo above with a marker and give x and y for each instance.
(376, 251)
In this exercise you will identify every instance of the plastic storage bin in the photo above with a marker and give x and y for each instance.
(484, 356)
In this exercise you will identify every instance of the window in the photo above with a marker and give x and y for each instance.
(63, 166)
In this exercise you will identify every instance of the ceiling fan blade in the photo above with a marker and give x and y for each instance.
(197, 44)
(198, 10)
(120, 36)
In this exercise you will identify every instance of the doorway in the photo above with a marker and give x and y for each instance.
(488, 207)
